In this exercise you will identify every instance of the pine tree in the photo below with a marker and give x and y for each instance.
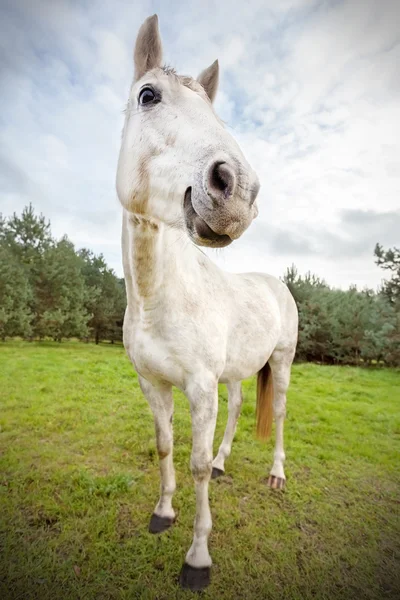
(27, 236)
(61, 294)
(106, 300)
(389, 260)
(15, 297)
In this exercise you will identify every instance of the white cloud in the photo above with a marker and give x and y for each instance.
(310, 89)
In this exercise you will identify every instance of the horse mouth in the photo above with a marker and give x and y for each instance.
(198, 229)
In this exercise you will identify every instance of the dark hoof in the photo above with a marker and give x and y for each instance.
(276, 483)
(216, 473)
(194, 579)
(159, 524)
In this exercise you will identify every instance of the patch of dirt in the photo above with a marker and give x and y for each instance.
(227, 479)
(43, 520)
(126, 527)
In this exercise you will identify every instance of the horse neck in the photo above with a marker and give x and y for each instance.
(156, 258)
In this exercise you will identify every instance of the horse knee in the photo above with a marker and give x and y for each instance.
(201, 467)
(279, 411)
(279, 405)
(164, 444)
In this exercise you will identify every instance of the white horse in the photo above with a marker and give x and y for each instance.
(183, 182)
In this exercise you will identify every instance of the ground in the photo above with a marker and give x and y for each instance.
(79, 480)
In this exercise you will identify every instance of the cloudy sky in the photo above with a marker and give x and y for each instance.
(310, 88)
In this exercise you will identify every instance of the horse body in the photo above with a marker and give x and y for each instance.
(183, 182)
(194, 317)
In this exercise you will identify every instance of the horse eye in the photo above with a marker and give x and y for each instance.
(146, 96)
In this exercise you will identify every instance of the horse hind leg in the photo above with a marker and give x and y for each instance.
(280, 363)
(235, 400)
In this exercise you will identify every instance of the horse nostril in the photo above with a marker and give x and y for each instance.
(221, 181)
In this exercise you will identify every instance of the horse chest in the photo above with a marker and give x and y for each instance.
(167, 345)
(155, 360)
(155, 348)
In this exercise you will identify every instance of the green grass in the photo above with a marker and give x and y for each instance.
(79, 480)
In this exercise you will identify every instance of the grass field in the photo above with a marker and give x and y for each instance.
(79, 480)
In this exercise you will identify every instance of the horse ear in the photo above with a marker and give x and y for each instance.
(209, 80)
(148, 48)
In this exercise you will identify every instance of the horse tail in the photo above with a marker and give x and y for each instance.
(265, 398)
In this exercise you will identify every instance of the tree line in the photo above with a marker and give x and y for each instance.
(349, 326)
(49, 289)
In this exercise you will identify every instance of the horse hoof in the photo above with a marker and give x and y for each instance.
(159, 524)
(276, 483)
(216, 473)
(194, 579)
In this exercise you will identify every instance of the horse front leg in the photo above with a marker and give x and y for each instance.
(203, 398)
(161, 403)
(235, 400)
